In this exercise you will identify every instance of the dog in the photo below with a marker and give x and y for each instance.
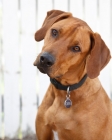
(75, 106)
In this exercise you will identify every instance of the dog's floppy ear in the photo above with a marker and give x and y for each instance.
(52, 17)
(99, 56)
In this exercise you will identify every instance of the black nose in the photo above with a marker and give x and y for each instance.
(46, 59)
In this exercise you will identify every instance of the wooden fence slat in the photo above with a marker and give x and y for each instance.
(61, 5)
(11, 67)
(29, 96)
(111, 44)
(0, 68)
(91, 14)
(1, 87)
(0, 71)
(104, 30)
(0, 116)
(111, 25)
(42, 11)
(105, 20)
(77, 8)
(28, 49)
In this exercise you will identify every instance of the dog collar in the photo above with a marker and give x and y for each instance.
(68, 88)
(58, 85)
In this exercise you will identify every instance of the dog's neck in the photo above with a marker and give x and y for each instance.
(71, 77)
(77, 96)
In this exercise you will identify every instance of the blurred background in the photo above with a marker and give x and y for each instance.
(22, 86)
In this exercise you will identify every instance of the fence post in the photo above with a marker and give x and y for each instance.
(28, 77)
(11, 67)
(77, 8)
(91, 17)
(0, 116)
(0, 71)
(105, 31)
(61, 5)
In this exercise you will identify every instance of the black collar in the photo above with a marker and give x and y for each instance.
(58, 85)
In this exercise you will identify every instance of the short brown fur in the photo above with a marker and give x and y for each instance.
(90, 116)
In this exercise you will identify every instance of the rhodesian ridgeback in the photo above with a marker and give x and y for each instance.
(75, 106)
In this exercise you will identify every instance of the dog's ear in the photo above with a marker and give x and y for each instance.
(99, 56)
(52, 17)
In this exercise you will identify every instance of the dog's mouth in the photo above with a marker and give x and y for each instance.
(47, 71)
(41, 70)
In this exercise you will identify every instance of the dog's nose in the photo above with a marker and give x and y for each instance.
(46, 59)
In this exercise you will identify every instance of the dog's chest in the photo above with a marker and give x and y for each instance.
(59, 118)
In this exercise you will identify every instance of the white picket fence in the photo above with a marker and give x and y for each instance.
(20, 83)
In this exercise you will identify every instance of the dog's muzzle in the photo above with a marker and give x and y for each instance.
(46, 60)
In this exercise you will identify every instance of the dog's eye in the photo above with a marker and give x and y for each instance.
(54, 32)
(75, 49)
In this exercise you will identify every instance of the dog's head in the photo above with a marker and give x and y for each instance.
(70, 46)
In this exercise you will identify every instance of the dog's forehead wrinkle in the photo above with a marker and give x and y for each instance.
(68, 27)
(70, 22)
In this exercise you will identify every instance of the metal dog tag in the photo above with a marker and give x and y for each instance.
(68, 102)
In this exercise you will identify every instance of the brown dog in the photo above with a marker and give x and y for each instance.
(75, 105)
